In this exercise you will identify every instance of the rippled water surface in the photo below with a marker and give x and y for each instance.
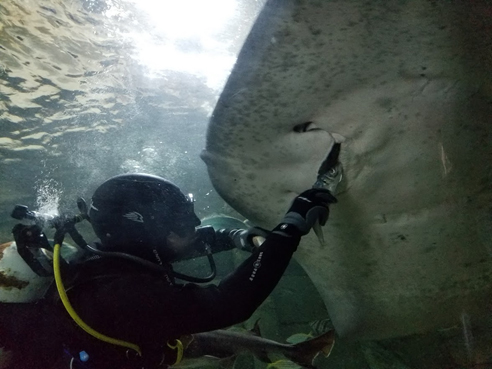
(90, 89)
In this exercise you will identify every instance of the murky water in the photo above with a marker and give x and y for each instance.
(91, 89)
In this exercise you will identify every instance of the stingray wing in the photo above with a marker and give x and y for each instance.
(407, 87)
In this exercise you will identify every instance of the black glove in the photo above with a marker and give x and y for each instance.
(307, 208)
(246, 239)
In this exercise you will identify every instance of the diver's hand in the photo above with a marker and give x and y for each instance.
(310, 206)
(248, 239)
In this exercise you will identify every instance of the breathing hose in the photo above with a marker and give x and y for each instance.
(178, 346)
(66, 303)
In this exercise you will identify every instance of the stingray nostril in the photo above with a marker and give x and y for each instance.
(305, 127)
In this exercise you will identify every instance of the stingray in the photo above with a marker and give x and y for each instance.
(406, 88)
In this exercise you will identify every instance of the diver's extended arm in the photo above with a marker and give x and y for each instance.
(241, 292)
(154, 308)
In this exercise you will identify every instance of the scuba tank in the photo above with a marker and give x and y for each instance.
(26, 264)
(18, 282)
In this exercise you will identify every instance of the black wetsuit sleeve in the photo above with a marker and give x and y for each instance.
(146, 308)
(241, 292)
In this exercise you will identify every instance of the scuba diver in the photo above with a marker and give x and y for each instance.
(120, 304)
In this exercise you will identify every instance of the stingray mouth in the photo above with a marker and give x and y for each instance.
(306, 127)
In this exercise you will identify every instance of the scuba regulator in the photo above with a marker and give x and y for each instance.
(33, 245)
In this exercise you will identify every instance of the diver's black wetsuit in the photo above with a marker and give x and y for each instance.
(130, 303)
